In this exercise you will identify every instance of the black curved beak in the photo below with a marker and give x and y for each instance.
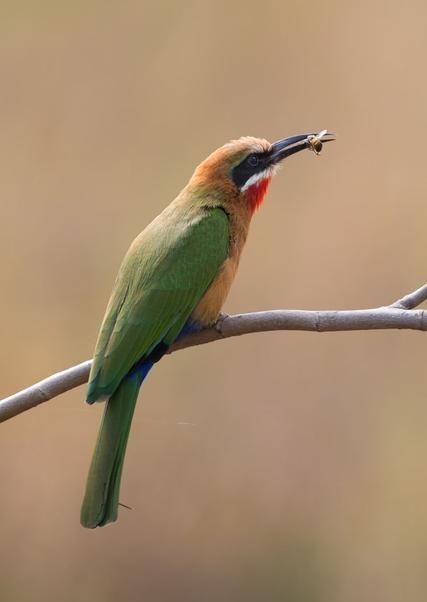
(294, 144)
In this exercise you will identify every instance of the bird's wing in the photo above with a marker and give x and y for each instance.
(163, 276)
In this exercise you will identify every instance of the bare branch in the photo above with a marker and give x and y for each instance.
(46, 389)
(399, 315)
(413, 299)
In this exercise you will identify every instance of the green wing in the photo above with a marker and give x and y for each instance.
(163, 276)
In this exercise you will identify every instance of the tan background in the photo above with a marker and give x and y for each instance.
(303, 473)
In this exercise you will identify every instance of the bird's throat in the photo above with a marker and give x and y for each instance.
(255, 194)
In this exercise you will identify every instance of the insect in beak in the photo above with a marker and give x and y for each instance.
(315, 141)
(294, 144)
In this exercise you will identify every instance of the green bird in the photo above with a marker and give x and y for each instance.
(174, 279)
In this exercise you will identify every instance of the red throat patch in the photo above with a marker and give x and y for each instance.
(255, 194)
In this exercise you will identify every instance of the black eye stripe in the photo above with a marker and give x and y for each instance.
(251, 165)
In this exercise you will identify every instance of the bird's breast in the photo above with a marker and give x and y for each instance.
(209, 306)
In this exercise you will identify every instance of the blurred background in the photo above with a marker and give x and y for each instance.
(280, 466)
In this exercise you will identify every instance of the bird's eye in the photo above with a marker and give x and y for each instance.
(253, 160)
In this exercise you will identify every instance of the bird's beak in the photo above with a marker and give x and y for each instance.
(288, 146)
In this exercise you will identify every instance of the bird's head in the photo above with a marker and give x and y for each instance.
(242, 169)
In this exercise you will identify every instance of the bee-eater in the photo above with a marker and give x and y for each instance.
(174, 279)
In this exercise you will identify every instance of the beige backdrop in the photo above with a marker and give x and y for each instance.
(282, 466)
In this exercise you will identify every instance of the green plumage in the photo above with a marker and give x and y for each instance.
(101, 499)
(164, 275)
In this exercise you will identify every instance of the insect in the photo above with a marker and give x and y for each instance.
(315, 141)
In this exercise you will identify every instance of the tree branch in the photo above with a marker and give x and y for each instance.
(399, 315)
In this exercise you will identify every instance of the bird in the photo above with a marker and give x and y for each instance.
(173, 280)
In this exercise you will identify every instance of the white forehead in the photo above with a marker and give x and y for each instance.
(250, 144)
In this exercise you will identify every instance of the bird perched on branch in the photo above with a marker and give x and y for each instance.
(174, 279)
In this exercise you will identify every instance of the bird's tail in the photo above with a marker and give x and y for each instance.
(101, 500)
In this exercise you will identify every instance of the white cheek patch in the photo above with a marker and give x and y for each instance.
(258, 177)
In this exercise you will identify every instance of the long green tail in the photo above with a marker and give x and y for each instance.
(101, 500)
